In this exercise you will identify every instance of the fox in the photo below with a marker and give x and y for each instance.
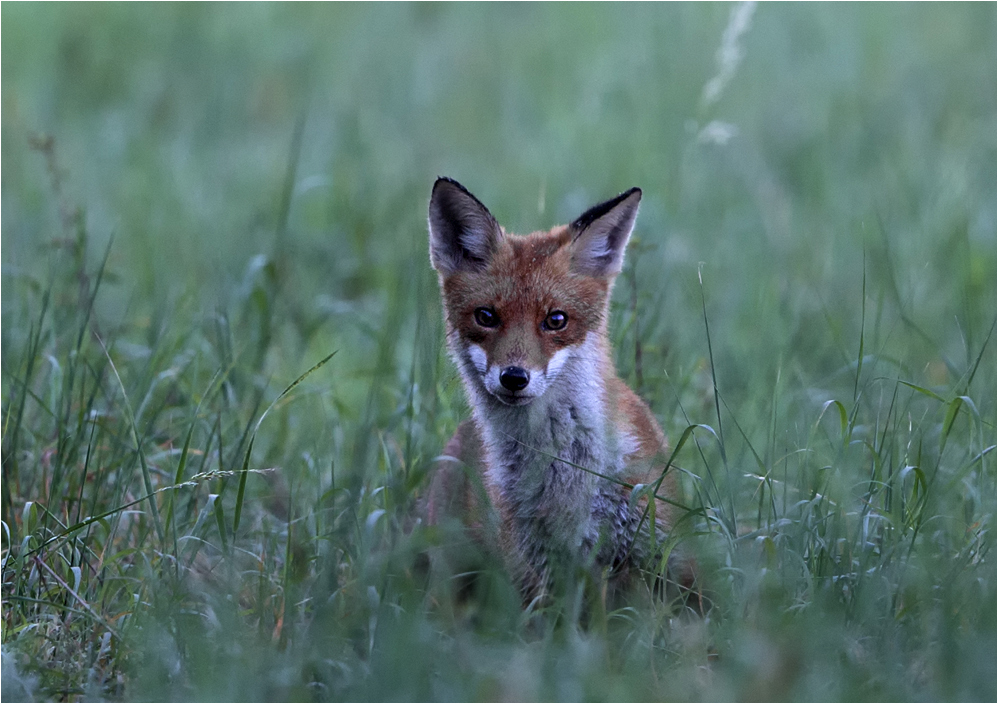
(542, 473)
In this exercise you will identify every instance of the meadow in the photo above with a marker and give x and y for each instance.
(224, 381)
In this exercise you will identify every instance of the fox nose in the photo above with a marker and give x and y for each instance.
(514, 378)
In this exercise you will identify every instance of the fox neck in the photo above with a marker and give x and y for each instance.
(570, 422)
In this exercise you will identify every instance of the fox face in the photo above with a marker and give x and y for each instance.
(520, 309)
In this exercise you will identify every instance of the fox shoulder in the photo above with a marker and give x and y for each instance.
(457, 488)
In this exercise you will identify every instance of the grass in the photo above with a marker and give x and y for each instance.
(203, 203)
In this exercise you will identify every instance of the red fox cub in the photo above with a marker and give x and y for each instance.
(538, 474)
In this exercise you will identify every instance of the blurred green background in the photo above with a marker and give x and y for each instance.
(175, 128)
(261, 173)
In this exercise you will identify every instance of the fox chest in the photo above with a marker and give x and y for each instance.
(556, 500)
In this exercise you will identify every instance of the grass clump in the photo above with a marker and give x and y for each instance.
(226, 197)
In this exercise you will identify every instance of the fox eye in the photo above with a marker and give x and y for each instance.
(556, 320)
(486, 317)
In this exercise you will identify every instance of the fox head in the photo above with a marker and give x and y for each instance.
(522, 310)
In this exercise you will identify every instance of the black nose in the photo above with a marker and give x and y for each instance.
(514, 378)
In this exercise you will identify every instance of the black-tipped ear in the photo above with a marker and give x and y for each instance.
(463, 233)
(601, 235)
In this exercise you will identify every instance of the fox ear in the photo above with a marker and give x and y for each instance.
(601, 235)
(463, 233)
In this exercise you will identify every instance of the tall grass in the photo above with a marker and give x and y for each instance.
(224, 384)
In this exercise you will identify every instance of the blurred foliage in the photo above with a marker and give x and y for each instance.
(200, 201)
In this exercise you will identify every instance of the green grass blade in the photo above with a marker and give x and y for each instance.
(242, 479)
(146, 476)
